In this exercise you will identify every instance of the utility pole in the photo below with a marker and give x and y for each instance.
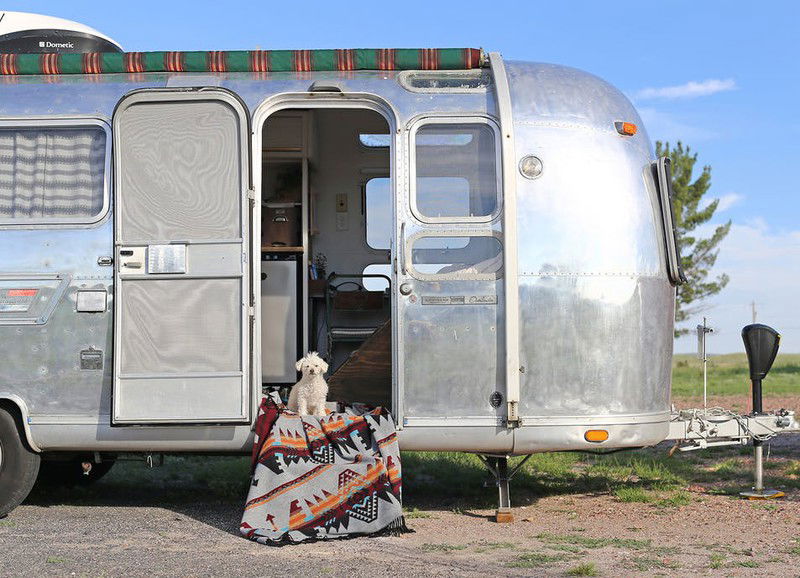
(753, 307)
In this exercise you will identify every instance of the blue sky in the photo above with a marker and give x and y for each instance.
(723, 77)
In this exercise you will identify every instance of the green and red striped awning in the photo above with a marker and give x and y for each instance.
(243, 61)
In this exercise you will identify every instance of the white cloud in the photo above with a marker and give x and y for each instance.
(729, 200)
(691, 89)
(726, 201)
(667, 127)
(764, 267)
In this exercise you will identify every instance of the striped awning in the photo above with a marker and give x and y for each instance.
(243, 61)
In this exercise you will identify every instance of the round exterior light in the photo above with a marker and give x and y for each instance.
(530, 166)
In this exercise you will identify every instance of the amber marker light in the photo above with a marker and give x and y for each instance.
(595, 435)
(626, 128)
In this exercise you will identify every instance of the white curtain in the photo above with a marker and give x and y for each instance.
(51, 173)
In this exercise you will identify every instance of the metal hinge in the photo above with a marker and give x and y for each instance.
(251, 311)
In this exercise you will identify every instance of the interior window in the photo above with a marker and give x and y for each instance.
(378, 212)
(375, 140)
(375, 283)
(52, 173)
(446, 255)
(456, 170)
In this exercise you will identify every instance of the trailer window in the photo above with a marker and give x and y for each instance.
(446, 80)
(456, 171)
(52, 174)
(456, 257)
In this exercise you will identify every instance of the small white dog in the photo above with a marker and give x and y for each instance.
(309, 394)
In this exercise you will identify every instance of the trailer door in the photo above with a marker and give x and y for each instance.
(449, 279)
(182, 307)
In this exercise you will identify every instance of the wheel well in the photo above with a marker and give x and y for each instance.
(16, 412)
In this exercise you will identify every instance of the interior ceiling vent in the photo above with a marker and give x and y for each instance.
(21, 33)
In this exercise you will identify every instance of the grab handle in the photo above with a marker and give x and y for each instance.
(402, 248)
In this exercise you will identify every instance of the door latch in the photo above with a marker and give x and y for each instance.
(105, 261)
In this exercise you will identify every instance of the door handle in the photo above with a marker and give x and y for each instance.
(131, 259)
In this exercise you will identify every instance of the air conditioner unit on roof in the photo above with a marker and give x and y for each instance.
(21, 32)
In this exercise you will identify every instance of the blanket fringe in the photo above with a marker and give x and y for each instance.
(396, 527)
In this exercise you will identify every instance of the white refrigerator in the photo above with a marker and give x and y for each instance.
(279, 321)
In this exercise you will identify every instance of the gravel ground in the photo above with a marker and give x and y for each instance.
(116, 529)
(554, 536)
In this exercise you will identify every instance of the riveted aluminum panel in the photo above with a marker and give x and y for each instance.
(594, 345)
(452, 347)
(596, 308)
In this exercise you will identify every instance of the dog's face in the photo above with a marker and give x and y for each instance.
(312, 364)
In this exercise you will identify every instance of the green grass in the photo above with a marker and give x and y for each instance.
(585, 569)
(566, 548)
(675, 500)
(593, 543)
(717, 561)
(55, 560)
(536, 559)
(746, 564)
(633, 494)
(416, 513)
(728, 375)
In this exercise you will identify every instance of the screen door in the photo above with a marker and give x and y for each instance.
(182, 217)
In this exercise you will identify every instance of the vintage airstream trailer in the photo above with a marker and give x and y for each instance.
(484, 246)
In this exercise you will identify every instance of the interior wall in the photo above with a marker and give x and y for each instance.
(341, 165)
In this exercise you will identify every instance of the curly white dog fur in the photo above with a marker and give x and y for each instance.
(309, 394)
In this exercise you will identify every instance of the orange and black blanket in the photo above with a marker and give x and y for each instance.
(323, 477)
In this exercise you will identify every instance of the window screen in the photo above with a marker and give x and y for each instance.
(458, 256)
(52, 173)
(378, 212)
(456, 170)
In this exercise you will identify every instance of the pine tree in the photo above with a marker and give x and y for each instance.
(698, 255)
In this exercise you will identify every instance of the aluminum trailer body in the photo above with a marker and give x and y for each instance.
(583, 295)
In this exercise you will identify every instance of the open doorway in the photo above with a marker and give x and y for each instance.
(326, 225)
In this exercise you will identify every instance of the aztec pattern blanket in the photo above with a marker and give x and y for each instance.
(322, 477)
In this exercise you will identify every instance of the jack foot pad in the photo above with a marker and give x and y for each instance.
(762, 495)
(504, 516)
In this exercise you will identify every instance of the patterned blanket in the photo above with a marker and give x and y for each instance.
(322, 477)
